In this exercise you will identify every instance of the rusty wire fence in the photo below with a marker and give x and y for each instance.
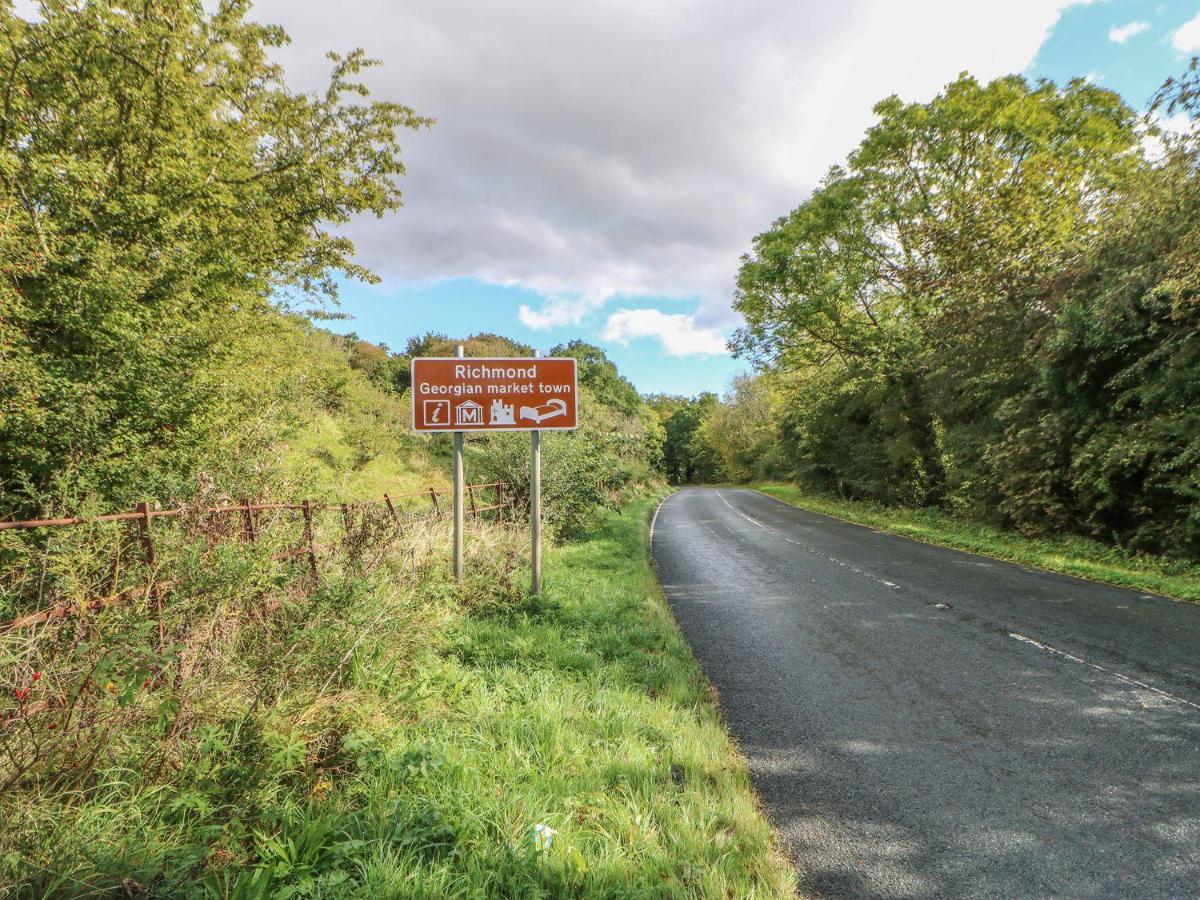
(132, 567)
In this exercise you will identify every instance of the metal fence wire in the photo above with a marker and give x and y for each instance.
(245, 520)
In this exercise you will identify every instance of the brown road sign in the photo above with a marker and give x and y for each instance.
(500, 394)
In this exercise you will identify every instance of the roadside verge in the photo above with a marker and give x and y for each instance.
(580, 750)
(1065, 554)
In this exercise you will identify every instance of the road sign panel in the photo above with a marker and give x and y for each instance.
(498, 394)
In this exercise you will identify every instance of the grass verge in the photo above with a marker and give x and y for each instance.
(1069, 555)
(583, 711)
(393, 735)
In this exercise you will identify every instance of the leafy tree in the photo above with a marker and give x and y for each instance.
(665, 405)
(741, 430)
(162, 189)
(686, 455)
(920, 267)
(431, 343)
(601, 377)
(1105, 437)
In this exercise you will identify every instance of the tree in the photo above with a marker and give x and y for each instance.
(600, 375)
(160, 182)
(921, 266)
(741, 430)
(1105, 437)
(686, 457)
(432, 343)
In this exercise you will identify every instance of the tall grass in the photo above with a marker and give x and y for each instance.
(389, 734)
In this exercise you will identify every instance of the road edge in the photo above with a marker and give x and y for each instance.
(1034, 567)
(659, 596)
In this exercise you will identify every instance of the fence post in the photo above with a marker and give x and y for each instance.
(308, 539)
(391, 508)
(437, 509)
(471, 492)
(152, 561)
(144, 534)
(249, 533)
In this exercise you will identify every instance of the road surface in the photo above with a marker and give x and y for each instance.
(921, 722)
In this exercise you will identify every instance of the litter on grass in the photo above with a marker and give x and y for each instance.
(543, 836)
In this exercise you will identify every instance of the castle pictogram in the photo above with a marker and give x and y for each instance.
(502, 413)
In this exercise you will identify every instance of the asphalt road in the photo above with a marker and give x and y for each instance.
(921, 722)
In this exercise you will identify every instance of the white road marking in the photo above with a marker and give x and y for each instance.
(832, 559)
(842, 563)
(1083, 662)
(1032, 570)
(654, 518)
(740, 513)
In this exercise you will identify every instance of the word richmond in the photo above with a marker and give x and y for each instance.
(467, 371)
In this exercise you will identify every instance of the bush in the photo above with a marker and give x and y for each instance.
(577, 478)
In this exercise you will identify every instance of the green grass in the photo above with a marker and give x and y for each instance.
(585, 711)
(321, 456)
(459, 722)
(1069, 555)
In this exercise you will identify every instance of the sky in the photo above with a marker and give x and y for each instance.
(597, 169)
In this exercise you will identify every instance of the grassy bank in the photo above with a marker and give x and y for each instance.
(1066, 554)
(390, 735)
(585, 712)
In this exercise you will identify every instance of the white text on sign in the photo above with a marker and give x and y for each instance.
(452, 394)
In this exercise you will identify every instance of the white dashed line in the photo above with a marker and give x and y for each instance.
(740, 513)
(842, 563)
(832, 559)
(1083, 662)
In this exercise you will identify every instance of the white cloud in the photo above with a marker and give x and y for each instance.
(1121, 34)
(678, 333)
(1178, 124)
(559, 311)
(1187, 38)
(1166, 130)
(621, 148)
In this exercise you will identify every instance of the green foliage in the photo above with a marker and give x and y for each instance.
(1106, 437)
(476, 715)
(395, 370)
(576, 476)
(991, 310)
(161, 186)
(741, 429)
(687, 456)
(616, 450)
(610, 456)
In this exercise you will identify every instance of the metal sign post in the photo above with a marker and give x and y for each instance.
(496, 394)
(535, 505)
(458, 496)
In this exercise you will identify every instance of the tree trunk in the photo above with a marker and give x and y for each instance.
(920, 421)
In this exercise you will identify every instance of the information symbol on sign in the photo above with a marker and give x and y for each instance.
(468, 413)
(437, 412)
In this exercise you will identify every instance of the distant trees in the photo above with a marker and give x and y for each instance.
(599, 374)
(686, 455)
(162, 188)
(991, 309)
(740, 431)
